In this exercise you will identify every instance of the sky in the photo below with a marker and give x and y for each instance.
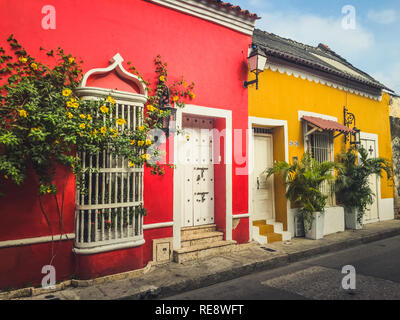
(364, 32)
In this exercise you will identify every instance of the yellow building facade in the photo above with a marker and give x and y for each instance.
(297, 84)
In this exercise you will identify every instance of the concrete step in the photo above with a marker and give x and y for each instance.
(258, 223)
(257, 237)
(266, 229)
(201, 238)
(286, 235)
(198, 229)
(274, 237)
(203, 250)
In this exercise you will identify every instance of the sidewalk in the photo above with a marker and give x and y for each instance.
(172, 278)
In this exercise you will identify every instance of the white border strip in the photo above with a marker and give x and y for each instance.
(241, 216)
(310, 77)
(110, 247)
(30, 241)
(301, 114)
(210, 13)
(158, 225)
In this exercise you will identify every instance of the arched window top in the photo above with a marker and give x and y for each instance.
(132, 88)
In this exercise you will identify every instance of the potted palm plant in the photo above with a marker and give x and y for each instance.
(303, 181)
(352, 185)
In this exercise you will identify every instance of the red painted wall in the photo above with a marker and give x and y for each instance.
(212, 56)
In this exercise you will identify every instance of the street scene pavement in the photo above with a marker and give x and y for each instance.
(377, 266)
(299, 269)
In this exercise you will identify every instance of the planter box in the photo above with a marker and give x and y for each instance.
(350, 217)
(317, 229)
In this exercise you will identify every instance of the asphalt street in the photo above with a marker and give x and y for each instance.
(377, 267)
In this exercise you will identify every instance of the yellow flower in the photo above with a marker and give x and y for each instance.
(34, 66)
(71, 59)
(69, 104)
(148, 142)
(161, 111)
(120, 121)
(82, 116)
(69, 115)
(23, 113)
(72, 100)
(82, 126)
(57, 142)
(104, 109)
(140, 143)
(111, 99)
(103, 130)
(162, 78)
(23, 59)
(150, 107)
(175, 98)
(48, 190)
(192, 95)
(141, 128)
(131, 164)
(146, 156)
(75, 105)
(66, 92)
(94, 132)
(133, 142)
(89, 117)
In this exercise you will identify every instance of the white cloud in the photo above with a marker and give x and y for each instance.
(383, 17)
(313, 29)
(390, 77)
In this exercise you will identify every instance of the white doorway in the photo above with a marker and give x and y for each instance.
(372, 212)
(198, 170)
(262, 188)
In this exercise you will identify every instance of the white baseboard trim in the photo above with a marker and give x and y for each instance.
(36, 240)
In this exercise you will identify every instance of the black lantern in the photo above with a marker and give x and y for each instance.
(257, 61)
(169, 122)
(350, 119)
(355, 138)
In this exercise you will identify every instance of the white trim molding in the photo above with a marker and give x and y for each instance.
(297, 73)
(36, 240)
(241, 216)
(213, 13)
(158, 225)
(178, 174)
(109, 247)
(120, 96)
(268, 123)
(301, 114)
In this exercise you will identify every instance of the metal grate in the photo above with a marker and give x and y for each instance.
(321, 151)
(262, 130)
(109, 211)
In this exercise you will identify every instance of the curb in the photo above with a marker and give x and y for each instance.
(270, 264)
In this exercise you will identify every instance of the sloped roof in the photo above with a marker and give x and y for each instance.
(320, 58)
(230, 7)
(328, 124)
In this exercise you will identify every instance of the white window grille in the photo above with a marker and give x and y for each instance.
(109, 210)
(320, 144)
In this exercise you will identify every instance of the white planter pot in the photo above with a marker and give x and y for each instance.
(350, 218)
(317, 228)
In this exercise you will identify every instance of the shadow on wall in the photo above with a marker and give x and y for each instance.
(395, 132)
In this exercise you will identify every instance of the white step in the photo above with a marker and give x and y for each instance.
(278, 226)
(257, 237)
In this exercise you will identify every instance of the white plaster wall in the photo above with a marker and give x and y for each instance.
(334, 220)
(386, 209)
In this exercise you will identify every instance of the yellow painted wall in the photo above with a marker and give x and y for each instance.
(281, 97)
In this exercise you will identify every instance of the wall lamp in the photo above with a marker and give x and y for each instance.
(350, 119)
(256, 61)
(169, 122)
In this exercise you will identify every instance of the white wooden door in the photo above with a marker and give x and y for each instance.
(198, 187)
(263, 189)
(372, 211)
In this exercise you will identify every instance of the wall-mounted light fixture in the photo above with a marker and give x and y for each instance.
(350, 119)
(169, 122)
(256, 61)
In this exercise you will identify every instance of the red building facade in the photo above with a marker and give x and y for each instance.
(205, 41)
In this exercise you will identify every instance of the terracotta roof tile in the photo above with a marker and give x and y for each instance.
(327, 124)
